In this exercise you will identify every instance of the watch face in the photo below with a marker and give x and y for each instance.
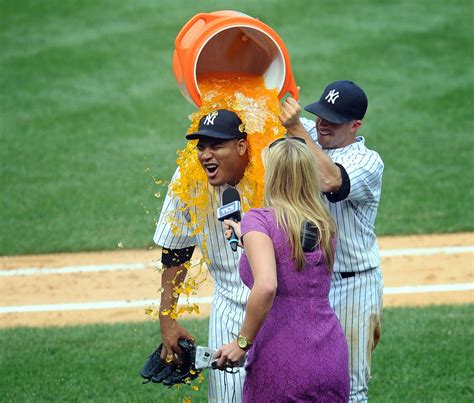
(242, 342)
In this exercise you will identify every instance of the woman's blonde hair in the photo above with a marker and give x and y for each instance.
(292, 189)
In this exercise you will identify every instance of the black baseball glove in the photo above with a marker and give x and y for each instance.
(157, 370)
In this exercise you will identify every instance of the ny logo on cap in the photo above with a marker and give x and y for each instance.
(210, 118)
(332, 96)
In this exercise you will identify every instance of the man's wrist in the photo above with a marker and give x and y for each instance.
(295, 129)
(165, 315)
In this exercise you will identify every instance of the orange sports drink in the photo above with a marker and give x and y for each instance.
(230, 42)
(228, 60)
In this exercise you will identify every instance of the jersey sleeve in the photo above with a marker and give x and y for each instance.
(364, 174)
(172, 231)
(256, 220)
(176, 257)
(344, 189)
(310, 126)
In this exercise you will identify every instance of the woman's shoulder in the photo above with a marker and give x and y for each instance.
(262, 213)
(258, 217)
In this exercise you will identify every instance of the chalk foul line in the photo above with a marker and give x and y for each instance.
(85, 306)
(32, 271)
(35, 271)
(207, 300)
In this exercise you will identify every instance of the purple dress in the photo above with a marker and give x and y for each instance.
(300, 354)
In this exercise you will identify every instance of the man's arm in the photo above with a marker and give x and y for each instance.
(172, 279)
(175, 254)
(171, 330)
(329, 173)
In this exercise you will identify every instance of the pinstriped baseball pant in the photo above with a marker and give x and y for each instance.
(224, 326)
(357, 302)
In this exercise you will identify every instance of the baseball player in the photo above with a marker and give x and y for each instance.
(351, 177)
(223, 155)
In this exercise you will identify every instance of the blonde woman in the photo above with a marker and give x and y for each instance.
(296, 347)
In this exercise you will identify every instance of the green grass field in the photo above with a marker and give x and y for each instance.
(91, 113)
(424, 356)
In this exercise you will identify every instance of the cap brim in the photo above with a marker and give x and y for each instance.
(211, 134)
(325, 113)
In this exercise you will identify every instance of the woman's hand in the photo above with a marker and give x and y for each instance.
(232, 225)
(230, 355)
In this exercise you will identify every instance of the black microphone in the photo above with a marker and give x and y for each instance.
(230, 210)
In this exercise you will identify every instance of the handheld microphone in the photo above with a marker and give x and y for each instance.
(230, 210)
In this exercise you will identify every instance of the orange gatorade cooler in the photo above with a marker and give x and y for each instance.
(230, 42)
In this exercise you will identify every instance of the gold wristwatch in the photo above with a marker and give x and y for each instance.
(243, 342)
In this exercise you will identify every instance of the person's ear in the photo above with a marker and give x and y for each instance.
(242, 146)
(356, 125)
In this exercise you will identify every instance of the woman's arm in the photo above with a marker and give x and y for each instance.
(261, 256)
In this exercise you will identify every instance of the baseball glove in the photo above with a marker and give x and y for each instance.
(157, 370)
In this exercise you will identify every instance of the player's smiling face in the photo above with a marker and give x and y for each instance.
(334, 135)
(224, 161)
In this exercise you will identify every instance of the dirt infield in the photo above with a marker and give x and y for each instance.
(405, 262)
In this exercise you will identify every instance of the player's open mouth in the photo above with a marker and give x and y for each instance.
(211, 169)
(324, 133)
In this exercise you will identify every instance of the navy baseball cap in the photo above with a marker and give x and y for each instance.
(219, 124)
(340, 102)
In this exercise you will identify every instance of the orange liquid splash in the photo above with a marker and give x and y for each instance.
(258, 108)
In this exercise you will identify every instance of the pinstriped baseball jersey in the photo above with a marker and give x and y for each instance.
(357, 299)
(230, 294)
(357, 248)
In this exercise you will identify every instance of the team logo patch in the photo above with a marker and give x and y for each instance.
(332, 96)
(210, 117)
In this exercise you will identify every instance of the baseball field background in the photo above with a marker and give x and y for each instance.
(91, 117)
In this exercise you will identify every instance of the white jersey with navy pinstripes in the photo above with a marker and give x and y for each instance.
(357, 298)
(357, 248)
(230, 294)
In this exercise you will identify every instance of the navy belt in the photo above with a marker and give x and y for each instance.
(347, 274)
